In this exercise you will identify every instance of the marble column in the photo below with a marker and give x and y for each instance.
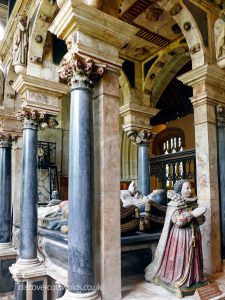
(80, 237)
(28, 210)
(88, 36)
(143, 169)
(5, 190)
(221, 169)
(141, 138)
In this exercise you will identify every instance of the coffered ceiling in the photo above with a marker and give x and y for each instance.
(157, 28)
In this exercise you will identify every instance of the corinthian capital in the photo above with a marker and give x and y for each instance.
(139, 137)
(5, 140)
(33, 119)
(80, 72)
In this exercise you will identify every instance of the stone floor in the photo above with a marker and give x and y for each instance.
(135, 287)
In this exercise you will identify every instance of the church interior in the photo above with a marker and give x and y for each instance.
(109, 110)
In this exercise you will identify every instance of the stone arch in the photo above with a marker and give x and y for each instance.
(193, 36)
(42, 18)
(164, 69)
(128, 157)
(125, 89)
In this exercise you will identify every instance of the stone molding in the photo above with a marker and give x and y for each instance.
(21, 271)
(41, 94)
(91, 32)
(137, 117)
(7, 250)
(9, 123)
(77, 296)
(81, 72)
(77, 15)
(208, 82)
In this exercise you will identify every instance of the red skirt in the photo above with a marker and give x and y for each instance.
(181, 261)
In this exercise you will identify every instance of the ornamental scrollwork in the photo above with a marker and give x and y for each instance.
(80, 72)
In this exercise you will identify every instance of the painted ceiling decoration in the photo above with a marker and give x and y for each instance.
(153, 23)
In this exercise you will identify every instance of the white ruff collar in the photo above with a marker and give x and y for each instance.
(177, 199)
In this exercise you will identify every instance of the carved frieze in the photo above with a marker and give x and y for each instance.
(81, 72)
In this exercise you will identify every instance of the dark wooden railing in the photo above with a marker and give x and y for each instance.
(166, 169)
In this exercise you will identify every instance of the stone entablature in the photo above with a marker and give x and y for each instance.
(91, 33)
(9, 123)
(206, 86)
(137, 117)
(41, 94)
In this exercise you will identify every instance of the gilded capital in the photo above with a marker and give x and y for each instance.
(5, 140)
(139, 137)
(32, 119)
(80, 72)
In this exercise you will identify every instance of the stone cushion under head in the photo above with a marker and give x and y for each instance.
(124, 194)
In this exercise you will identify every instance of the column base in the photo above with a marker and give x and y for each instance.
(5, 245)
(28, 262)
(27, 268)
(7, 249)
(78, 296)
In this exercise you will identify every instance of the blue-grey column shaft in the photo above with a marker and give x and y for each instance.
(143, 169)
(28, 208)
(80, 261)
(221, 171)
(5, 192)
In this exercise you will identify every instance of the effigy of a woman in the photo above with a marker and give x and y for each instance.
(178, 261)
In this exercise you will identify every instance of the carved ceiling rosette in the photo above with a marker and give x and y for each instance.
(80, 72)
(6, 140)
(140, 137)
(33, 119)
